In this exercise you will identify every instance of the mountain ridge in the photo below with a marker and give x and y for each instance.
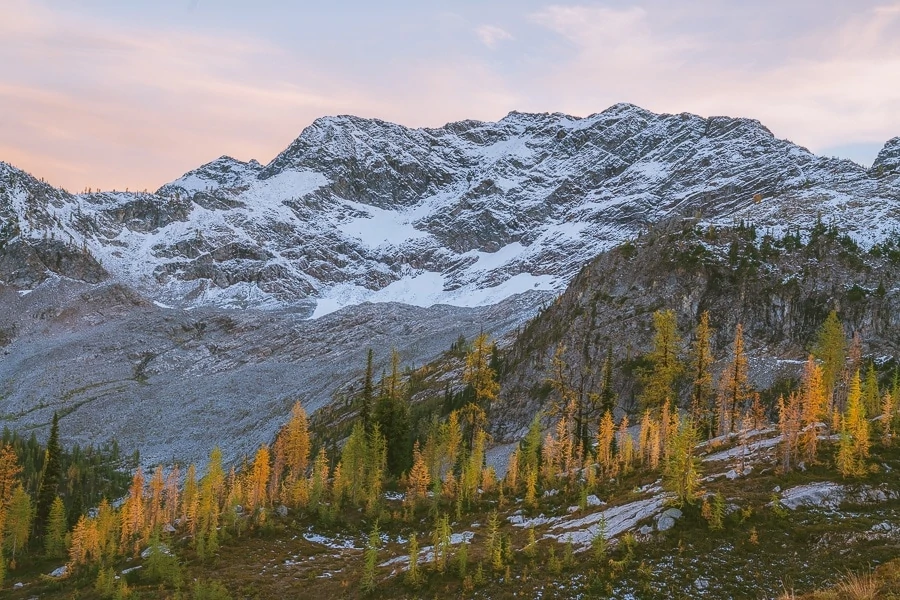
(357, 210)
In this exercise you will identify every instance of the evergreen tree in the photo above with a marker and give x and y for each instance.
(734, 386)
(10, 473)
(50, 479)
(367, 583)
(413, 577)
(814, 408)
(681, 475)
(17, 529)
(607, 391)
(55, 537)
(702, 393)
(368, 392)
(392, 418)
(831, 348)
(478, 372)
(853, 446)
(665, 367)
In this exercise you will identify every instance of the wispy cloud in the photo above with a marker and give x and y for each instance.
(491, 35)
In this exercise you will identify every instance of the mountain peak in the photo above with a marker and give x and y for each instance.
(888, 160)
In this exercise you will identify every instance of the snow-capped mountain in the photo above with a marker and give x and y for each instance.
(359, 210)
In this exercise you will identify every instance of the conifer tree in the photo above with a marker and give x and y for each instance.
(154, 506)
(887, 419)
(853, 447)
(440, 543)
(190, 502)
(659, 381)
(413, 577)
(831, 349)
(605, 439)
(531, 445)
(10, 472)
(367, 583)
(625, 445)
(871, 397)
(50, 479)
(55, 537)
(790, 418)
(681, 474)
(607, 392)
(133, 516)
(17, 528)
(478, 371)
(368, 392)
(419, 478)
(392, 417)
(511, 479)
(702, 392)
(734, 386)
(259, 479)
(85, 546)
(814, 407)
(296, 444)
(106, 526)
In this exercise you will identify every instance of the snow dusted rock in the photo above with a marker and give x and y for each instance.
(60, 571)
(619, 519)
(665, 523)
(161, 548)
(18, 586)
(883, 527)
(593, 500)
(645, 530)
(169, 528)
(667, 519)
(282, 510)
(820, 495)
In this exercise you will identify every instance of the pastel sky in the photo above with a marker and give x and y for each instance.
(112, 94)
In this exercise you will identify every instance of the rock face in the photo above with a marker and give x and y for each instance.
(470, 213)
(779, 289)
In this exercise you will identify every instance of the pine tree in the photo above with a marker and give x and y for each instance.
(392, 418)
(531, 445)
(790, 418)
(853, 447)
(133, 518)
(368, 392)
(702, 392)
(511, 479)
(419, 478)
(681, 474)
(10, 472)
(413, 577)
(367, 583)
(85, 546)
(259, 478)
(605, 439)
(659, 381)
(55, 537)
(478, 372)
(296, 444)
(887, 419)
(814, 407)
(734, 386)
(50, 479)
(871, 397)
(190, 501)
(831, 349)
(607, 391)
(17, 529)
(625, 445)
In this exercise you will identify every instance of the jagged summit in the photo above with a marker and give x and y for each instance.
(358, 210)
(888, 160)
